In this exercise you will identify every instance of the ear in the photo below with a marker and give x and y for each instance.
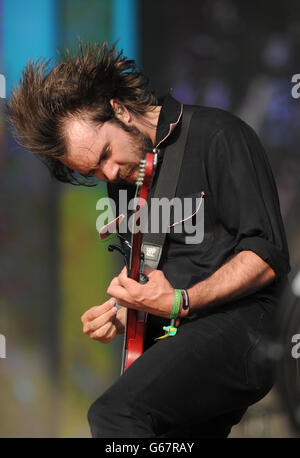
(121, 111)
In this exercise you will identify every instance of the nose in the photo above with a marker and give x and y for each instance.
(109, 170)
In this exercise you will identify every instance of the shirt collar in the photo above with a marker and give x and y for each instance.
(169, 117)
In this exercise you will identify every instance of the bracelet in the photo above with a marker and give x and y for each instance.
(176, 304)
(172, 330)
(186, 302)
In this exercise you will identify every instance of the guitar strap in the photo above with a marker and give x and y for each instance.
(166, 188)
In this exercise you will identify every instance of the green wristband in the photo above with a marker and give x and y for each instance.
(176, 304)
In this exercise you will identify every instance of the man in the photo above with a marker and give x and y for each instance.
(94, 115)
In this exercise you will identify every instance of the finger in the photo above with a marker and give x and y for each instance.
(115, 281)
(147, 269)
(123, 274)
(129, 284)
(110, 334)
(102, 332)
(120, 293)
(98, 310)
(92, 326)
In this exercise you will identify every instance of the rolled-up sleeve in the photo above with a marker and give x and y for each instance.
(245, 196)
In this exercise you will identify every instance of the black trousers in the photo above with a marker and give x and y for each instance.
(198, 383)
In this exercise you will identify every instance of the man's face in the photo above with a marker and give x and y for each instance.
(107, 151)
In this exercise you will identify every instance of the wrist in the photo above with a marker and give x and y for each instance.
(177, 301)
(193, 298)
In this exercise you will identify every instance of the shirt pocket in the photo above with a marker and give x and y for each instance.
(187, 219)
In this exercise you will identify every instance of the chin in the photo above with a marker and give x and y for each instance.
(133, 176)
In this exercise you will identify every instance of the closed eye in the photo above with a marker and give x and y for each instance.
(102, 157)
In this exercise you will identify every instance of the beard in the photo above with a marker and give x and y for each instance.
(139, 145)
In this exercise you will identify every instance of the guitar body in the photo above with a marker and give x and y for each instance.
(133, 338)
(135, 321)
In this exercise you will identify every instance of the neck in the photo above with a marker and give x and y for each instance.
(148, 123)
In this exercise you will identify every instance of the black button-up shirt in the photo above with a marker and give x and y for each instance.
(225, 160)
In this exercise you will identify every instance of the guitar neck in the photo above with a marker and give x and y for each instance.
(135, 320)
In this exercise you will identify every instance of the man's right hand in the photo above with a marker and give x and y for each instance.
(103, 322)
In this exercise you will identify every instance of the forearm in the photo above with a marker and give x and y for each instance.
(244, 274)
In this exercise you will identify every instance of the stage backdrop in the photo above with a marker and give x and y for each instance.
(53, 266)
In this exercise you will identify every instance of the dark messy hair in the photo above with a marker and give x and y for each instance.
(80, 84)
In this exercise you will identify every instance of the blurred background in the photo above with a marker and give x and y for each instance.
(239, 56)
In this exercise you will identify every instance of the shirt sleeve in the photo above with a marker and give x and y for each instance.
(245, 196)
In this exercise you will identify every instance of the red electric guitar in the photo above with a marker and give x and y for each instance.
(135, 320)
